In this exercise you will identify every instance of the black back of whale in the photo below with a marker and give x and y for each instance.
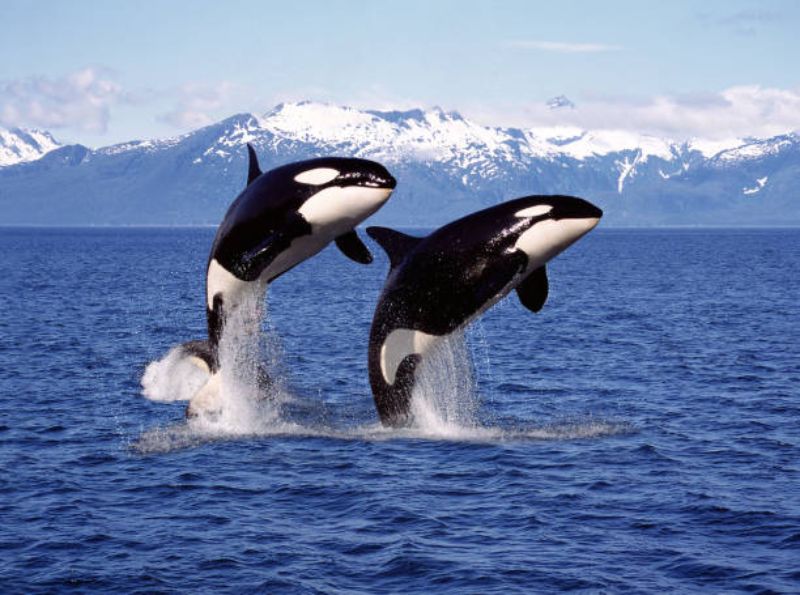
(436, 284)
(265, 216)
(264, 219)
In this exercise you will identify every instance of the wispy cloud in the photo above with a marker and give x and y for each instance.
(83, 100)
(740, 111)
(80, 100)
(743, 22)
(200, 104)
(561, 46)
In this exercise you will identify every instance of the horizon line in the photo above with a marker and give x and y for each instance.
(698, 227)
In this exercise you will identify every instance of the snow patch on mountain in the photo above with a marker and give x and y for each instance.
(603, 142)
(756, 149)
(712, 148)
(146, 146)
(433, 135)
(627, 169)
(18, 145)
(760, 183)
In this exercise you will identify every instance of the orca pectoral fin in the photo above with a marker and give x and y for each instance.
(533, 290)
(253, 170)
(353, 248)
(395, 244)
(255, 260)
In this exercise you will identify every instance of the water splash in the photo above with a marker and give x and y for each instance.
(245, 396)
(172, 378)
(255, 402)
(251, 386)
(445, 404)
(445, 399)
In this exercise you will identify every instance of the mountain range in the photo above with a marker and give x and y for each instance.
(446, 165)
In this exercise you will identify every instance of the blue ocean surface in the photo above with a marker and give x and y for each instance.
(640, 434)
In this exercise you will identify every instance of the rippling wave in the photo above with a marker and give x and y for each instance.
(638, 435)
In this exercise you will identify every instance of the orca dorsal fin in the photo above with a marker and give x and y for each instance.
(253, 171)
(396, 244)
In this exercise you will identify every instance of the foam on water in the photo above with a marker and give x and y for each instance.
(188, 435)
(445, 401)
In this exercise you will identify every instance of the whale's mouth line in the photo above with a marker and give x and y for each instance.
(381, 183)
(368, 185)
(366, 180)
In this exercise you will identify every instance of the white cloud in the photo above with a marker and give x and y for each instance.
(562, 47)
(201, 104)
(738, 111)
(79, 100)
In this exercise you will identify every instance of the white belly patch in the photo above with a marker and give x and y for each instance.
(220, 280)
(336, 209)
(398, 345)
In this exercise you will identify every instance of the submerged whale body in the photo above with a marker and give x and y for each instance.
(282, 217)
(440, 283)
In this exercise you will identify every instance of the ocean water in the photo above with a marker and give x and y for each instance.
(640, 434)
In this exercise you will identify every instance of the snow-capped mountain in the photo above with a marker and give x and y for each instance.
(446, 165)
(560, 102)
(18, 145)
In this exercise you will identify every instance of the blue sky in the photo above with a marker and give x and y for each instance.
(99, 72)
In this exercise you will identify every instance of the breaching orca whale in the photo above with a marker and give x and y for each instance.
(440, 283)
(281, 218)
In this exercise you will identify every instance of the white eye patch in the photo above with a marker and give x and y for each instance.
(534, 211)
(317, 176)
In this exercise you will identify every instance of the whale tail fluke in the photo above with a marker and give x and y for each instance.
(200, 353)
(395, 243)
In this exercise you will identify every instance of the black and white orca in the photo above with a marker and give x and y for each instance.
(440, 283)
(282, 217)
